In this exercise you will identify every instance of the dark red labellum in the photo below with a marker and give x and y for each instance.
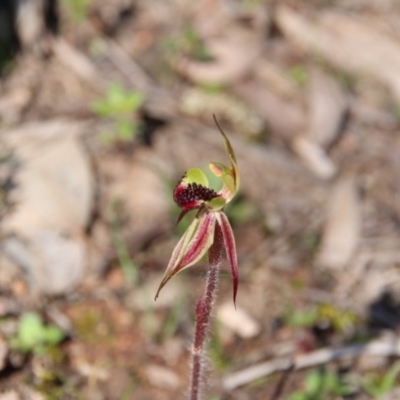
(192, 195)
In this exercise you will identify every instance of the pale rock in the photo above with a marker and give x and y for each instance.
(54, 199)
(54, 263)
(162, 377)
(10, 395)
(91, 371)
(29, 137)
(30, 21)
(55, 188)
(238, 320)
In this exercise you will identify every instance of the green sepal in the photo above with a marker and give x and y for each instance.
(216, 204)
(196, 175)
(230, 176)
(225, 173)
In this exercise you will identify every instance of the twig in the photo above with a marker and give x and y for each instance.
(282, 382)
(380, 347)
(122, 61)
(78, 62)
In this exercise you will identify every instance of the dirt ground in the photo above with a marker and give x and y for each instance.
(103, 107)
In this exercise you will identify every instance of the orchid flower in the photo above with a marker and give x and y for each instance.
(193, 192)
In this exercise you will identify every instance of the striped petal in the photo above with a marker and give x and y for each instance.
(194, 243)
(230, 250)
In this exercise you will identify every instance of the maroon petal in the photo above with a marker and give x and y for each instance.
(230, 250)
(194, 243)
(201, 242)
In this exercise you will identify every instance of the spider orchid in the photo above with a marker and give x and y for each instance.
(193, 192)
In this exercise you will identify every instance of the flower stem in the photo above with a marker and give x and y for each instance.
(203, 315)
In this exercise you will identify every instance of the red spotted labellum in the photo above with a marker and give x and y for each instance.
(193, 192)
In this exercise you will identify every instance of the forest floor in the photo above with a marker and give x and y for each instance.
(105, 105)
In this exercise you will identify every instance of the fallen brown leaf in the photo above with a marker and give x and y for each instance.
(284, 118)
(346, 42)
(343, 224)
(327, 104)
(314, 157)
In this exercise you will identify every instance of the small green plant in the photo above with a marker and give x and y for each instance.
(129, 268)
(341, 320)
(78, 9)
(301, 318)
(120, 106)
(34, 336)
(319, 385)
(377, 385)
(188, 43)
(195, 45)
(216, 350)
(299, 74)
(171, 322)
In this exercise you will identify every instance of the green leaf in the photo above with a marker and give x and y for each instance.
(299, 74)
(30, 331)
(78, 8)
(33, 335)
(298, 396)
(53, 335)
(115, 94)
(102, 108)
(125, 130)
(118, 102)
(389, 380)
(135, 100)
(314, 382)
(302, 318)
(372, 388)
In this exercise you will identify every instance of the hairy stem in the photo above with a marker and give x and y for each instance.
(203, 315)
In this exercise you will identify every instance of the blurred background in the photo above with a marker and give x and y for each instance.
(105, 104)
